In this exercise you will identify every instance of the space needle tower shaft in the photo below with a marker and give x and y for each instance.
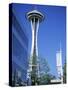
(35, 17)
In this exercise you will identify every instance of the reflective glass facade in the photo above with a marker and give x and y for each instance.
(19, 53)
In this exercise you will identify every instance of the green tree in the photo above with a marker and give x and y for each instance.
(45, 76)
(46, 79)
(33, 73)
(64, 73)
(43, 66)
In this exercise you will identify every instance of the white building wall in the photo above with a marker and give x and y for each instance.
(59, 64)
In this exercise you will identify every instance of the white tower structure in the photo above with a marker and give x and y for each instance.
(59, 64)
(35, 17)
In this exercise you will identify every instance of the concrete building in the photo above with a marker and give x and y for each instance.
(59, 64)
(59, 68)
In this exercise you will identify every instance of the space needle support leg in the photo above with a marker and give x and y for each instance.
(32, 38)
(37, 48)
(37, 37)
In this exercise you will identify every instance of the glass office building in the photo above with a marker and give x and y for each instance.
(19, 52)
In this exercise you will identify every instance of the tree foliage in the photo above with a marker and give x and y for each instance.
(44, 71)
(45, 76)
(64, 73)
(46, 79)
(43, 66)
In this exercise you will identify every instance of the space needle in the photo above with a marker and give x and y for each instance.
(35, 17)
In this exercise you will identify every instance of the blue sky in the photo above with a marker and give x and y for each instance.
(52, 30)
